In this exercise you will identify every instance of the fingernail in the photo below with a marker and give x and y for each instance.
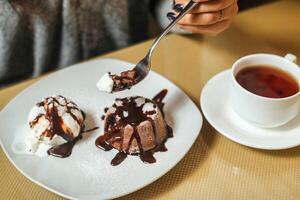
(178, 7)
(171, 16)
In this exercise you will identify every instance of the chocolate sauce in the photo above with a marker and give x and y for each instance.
(169, 131)
(104, 146)
(162, 148)
(63, 150)
(102, 143)
(114, 129)
(105, 110)
(150, 112)
(120, 157)
(158, 99)
(129, 105)
(147, 157)
(83, 115)
(33, 122)
(160, 96)
(90, 130)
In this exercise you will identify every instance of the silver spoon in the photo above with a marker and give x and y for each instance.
(129, 78)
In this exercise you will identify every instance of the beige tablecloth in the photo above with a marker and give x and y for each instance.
(215, 167)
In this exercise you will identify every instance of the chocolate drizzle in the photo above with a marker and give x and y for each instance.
(90, 130)
(170, 131)
(158, 99)
(101, 142)
(129, 113)
(120, 157)
(147, 157)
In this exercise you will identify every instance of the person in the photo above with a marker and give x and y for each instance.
(42, 35)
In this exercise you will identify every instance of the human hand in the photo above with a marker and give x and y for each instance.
(209, 17)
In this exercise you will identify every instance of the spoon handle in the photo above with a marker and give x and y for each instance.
(186, 10)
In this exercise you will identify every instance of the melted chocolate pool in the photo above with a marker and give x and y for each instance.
(63, 150)
(112, 129)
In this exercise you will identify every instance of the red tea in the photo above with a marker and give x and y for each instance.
(267, 81)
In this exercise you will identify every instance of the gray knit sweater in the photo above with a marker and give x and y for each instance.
(31, 44)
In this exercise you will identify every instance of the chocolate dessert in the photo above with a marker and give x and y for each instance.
(135, 126)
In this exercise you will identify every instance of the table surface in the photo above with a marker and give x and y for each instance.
(215, 167)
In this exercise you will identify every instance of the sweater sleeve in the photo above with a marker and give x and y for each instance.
(14, 41)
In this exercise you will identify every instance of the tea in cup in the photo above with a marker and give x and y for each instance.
(265, 89)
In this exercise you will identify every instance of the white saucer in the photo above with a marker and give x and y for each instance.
(216, 108)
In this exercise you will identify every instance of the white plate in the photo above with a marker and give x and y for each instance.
(216, 108)
(87, 173)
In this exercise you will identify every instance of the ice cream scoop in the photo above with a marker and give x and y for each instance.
(53, 121)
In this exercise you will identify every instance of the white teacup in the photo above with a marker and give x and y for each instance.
(263, 111)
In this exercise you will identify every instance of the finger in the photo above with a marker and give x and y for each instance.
(207, 6)
(211, 30)
(178, 5)
(209, 18)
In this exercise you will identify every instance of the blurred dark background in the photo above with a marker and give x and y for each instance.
(246, 4)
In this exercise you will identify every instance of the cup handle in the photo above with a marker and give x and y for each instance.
(291, 57)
